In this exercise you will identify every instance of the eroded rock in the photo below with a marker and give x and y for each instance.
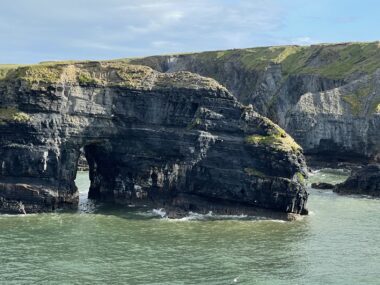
(364, 181)
(149, 138)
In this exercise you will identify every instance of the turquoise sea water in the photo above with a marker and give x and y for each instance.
(338, 243)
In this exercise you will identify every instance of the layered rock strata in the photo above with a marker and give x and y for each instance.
(326, 96)
(177, 140)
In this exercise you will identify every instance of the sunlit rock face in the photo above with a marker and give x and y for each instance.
(326, 96)
(178, 140)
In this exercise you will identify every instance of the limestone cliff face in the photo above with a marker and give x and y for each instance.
(326, 96)
(177, 140)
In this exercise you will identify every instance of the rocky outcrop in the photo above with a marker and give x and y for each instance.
(326, 96)
(322, 185)
(180, 141)
(364, 181)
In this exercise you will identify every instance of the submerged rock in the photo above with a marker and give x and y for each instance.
(365, 181)
(322, 185)
(177, 141)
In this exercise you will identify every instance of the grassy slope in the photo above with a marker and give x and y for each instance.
(334, 61)
(115, 73)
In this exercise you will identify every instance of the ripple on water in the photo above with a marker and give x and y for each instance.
(336, 244)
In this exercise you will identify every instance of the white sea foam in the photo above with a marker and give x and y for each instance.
(270, 220)
(159, 212)
(210, 216)
(18, 215)
(313, 172)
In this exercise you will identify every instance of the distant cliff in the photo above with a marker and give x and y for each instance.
(180, 141)
(326, 96)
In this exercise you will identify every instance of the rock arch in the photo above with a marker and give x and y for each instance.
(179, 140)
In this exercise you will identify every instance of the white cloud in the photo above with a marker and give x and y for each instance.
(122, 28)
(303, 41)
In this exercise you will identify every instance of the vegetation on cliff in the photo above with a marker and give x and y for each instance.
(263, 73)
(377, 109)
(283, 143)
(276, 138)
(357, 99)
(334, 61)
(12, 114)
(111, 73)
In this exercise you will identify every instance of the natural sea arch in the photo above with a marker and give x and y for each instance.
(180, 142)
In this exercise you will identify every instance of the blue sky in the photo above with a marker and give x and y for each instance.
(38, 30)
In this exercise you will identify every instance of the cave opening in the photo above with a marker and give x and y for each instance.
(91, 161)
(82, 180)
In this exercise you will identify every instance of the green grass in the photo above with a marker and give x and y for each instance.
(6, 68)
(85, 79)
(194, 123)
(254, 172)
(377, 109)
(356, 99)
(107, 73)
(40, 73)
(252, 58)
(282, 142)
(301, 178)
(334, 61)
(275, 137)
(12, 114)
(345, 61)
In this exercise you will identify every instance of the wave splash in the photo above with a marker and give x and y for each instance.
(210, 216)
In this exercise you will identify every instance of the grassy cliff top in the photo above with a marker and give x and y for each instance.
(110, 73)
(335, 61)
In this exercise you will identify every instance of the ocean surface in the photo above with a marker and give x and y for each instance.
(338, 243)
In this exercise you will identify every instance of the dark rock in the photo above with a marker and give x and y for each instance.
(149, 138)
(365, 181)
(322, 185)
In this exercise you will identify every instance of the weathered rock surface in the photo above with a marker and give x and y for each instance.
(326, 96)
(178, 140)
(365, 181)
